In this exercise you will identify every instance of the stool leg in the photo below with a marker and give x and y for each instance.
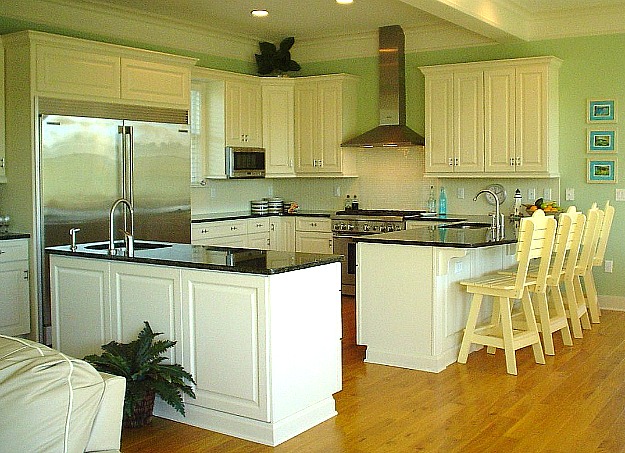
(531, 326)
(558, 303)
(582, 307)
(545, 322)
(591, 296)
(495, 320)
(474, 311)
(571, 302)
(508, 336)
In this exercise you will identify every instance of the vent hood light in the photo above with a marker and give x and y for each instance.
(259, 13)
(392, 131)
(344, 2)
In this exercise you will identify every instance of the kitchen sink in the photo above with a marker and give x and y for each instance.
(466, 225)
(139, 245)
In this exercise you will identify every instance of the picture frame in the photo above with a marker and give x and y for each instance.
(601, 171)
(601, 111)
(601, 141)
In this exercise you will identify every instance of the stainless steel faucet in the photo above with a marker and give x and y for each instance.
(128, 236)
(497, 221)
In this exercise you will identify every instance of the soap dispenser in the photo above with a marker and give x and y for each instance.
(442, 202)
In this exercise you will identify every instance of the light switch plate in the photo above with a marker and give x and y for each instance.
(620, 194)
(569, 194)
(460, 193)
(531, 194)
(608, 266)
(547, 193)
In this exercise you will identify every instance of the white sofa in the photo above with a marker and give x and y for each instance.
(50, 402)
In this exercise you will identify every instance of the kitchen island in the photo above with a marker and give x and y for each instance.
(260, 331)
(410, 309)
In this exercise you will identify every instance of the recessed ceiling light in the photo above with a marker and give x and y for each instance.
(344, 2)
(259, 13)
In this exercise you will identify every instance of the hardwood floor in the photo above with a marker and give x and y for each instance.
(574, 403)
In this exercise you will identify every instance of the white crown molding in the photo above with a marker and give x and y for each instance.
(576, 23)
(118, 23)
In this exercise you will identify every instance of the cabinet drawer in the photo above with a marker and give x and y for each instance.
(258, 225)
(313, 224)
(207, 230)
(13, 250)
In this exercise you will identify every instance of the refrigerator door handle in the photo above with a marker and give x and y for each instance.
(130, 168)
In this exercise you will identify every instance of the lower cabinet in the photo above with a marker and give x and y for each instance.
(313, 235)
(282, 234)
(14, 289)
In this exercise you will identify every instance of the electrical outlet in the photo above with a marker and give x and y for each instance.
(270, 191)
(531, 194)
(460, 193)
(213, 192)
(569, 194)
(337, 191)
(458, 267)
(608, 266)
(547, 193)
(620, 194)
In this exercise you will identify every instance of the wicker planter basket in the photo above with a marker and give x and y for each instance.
(142, 414)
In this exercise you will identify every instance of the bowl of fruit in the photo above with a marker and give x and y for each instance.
(549, 207)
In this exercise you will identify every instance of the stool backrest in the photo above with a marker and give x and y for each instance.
(604, 234)
(594, 217)
(563, 240)
(578, 226)
(536, 237)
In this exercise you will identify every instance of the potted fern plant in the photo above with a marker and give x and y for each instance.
(140, 362)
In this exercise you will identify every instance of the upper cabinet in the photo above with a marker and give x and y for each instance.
(301, 121)
(278, 124)
(243, 113)
(325, 116)
(70, 68)
(492, 119)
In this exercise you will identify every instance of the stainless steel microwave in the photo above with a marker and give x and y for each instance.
(243, 162)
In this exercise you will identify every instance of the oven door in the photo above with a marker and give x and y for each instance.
(346, 246)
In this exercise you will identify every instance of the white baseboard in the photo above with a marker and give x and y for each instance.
(612, 303)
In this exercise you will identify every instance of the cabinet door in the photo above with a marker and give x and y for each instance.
(282, 234)
(329, 126)
(439, 107)
(243, 114)
(14, 300)
(532, 118)
(469, 121)
(306, 137)
(228, 317)
(63, 70)
(260, 241)
(81, 324)
(146, 293)
(313, 242)
(278, 124)
(155, 82)
(499, 120)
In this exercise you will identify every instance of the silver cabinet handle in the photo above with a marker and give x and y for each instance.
(25, 275)
(2, 251)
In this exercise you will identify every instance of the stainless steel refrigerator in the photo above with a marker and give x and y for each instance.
(88, 163)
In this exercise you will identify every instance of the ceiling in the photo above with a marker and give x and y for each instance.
(499, 20)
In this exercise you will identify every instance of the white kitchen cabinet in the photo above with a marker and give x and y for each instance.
(76, 68)
(325, 116)
(243, 233)
(258, 233)
(2, 145)
(14, 291)
(278, 124)
(503, 120)
(81, 305)
(244, 113)
(282, 233)
(313, 235)
(140, 293)
(113, 300)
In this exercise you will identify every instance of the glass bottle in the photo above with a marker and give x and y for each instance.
(348, 203)
(442, 202)
(432, 201)
(355, 203)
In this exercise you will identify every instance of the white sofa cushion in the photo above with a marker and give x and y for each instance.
(48, 401)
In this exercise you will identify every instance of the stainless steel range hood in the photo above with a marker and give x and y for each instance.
(392, 130)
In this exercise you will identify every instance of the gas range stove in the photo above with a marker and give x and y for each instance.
(370, 221)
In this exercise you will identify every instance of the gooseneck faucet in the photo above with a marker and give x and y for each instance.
(129, 236)
(497, 223)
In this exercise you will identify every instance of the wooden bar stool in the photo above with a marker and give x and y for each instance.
(575, 266)
(535, 240)
(589, 281)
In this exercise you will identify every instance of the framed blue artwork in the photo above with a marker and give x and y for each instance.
(601, 111)
(601, 141)
(601, 171)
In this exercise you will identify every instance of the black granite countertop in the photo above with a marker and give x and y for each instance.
(216, 216)
(12, 235)
(442, 236)
(246, 261)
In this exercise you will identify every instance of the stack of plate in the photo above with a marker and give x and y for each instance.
(275, 205)
(260, 207)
